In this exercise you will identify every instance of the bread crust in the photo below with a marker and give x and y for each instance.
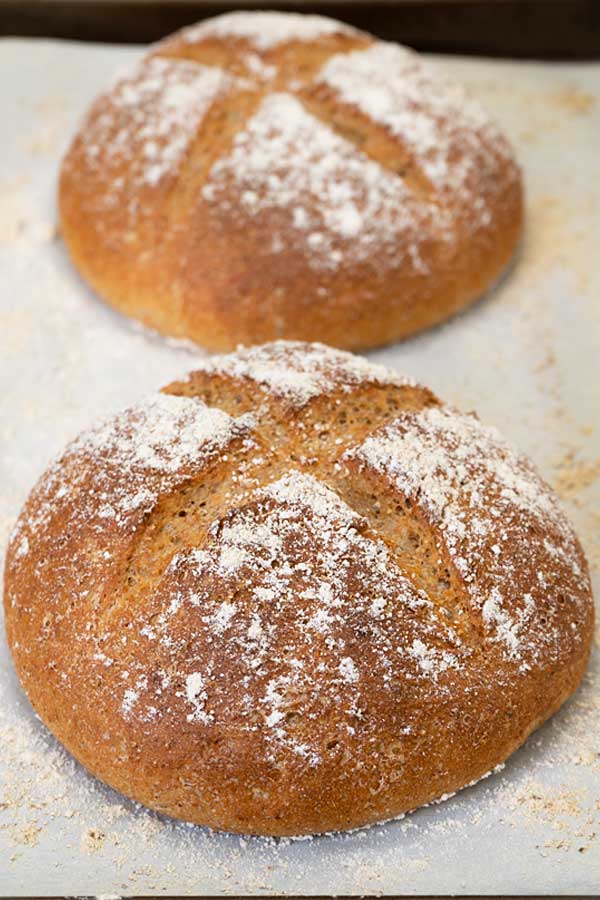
(294, 593)
(236, 188)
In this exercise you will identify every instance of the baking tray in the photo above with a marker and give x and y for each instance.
(526, 357)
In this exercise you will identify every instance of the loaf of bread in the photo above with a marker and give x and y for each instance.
(268, 175)
(294, 593)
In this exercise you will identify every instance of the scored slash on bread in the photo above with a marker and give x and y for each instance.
(261, 176)
(294, 592)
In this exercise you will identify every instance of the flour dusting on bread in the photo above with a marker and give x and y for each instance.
(151, 119)
(447, 133)
(333, 198)
(300, 371)
(265, 30)
(277, 572)
(489, 506)
(118, 469)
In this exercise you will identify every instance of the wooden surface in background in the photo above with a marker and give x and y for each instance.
(544, 29)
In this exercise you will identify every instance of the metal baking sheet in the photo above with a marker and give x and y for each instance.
(526, 357)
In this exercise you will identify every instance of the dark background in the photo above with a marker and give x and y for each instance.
(542, 29)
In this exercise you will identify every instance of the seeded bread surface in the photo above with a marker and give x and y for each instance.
(294, 592)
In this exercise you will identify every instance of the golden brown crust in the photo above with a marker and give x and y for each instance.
(294, 593)
(242, 186)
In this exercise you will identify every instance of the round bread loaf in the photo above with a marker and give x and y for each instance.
(294, 593)
(268, 175)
